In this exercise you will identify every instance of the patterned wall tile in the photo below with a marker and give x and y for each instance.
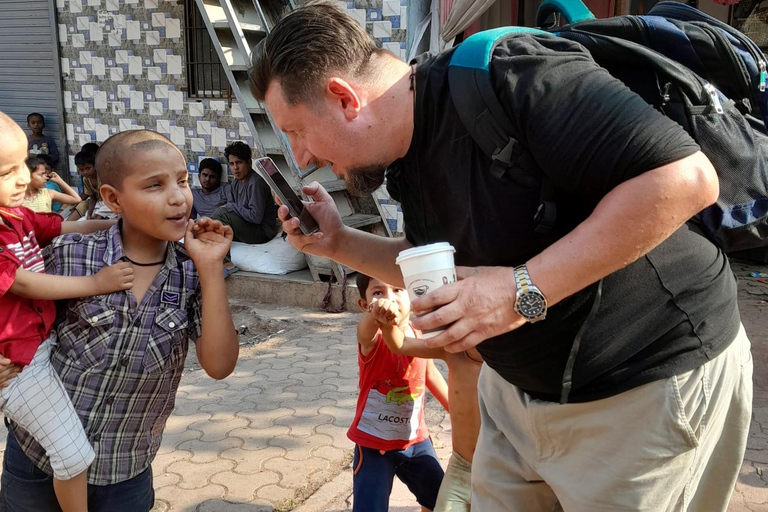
(124, 62)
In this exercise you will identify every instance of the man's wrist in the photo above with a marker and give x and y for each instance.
(342, 239)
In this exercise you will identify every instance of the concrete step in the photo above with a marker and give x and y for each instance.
(294, 289)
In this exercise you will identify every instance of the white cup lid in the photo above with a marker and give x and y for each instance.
(424, 250)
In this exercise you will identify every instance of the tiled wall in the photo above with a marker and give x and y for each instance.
(124, 68)
(385, 20)
(123, 62)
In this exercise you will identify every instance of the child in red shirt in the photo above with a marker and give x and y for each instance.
(389, 431)
(36, 398)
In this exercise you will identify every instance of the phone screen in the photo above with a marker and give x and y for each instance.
(288, 195)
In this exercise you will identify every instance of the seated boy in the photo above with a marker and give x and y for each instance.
(36, 399)
(389, 431)
(463, 372)
(211, 193)
(86, 167)
(39, 144)
(121, 355)
(250, 209)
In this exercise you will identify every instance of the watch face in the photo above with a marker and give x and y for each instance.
(530, 304)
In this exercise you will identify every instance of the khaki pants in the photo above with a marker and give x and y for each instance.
(671, 445)
(456, 489)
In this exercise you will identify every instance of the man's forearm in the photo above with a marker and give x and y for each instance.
(628, 223)
(370, 254)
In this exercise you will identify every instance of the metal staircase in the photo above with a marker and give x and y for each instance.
(235, 27)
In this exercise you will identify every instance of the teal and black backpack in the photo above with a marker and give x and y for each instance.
(702, 73)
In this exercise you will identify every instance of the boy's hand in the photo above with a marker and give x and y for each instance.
(207, 241)
(8, 371)
(114, 278)
(385, 312)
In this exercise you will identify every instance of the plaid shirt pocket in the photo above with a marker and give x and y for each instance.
(168, 341)
(85, 338)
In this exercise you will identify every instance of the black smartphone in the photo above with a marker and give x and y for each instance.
(288, 197)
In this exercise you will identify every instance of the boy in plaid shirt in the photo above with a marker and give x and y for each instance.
(121, 355)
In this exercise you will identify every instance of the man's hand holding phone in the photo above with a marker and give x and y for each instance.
(325, 242)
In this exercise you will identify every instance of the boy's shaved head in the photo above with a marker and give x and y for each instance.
(10, 131)
(121, 148)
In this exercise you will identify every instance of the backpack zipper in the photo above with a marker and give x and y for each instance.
(736, 62)
(687, 13)
(714, 98)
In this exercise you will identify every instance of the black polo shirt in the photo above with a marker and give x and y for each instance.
(669, 312)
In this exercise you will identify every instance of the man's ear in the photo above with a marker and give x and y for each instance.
(111, 197)
(343, 94)
(363, 305)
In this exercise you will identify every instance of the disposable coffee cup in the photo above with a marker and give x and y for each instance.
(426, 269)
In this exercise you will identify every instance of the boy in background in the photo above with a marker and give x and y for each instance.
(212, 193)
(250, 208)
(120, 356)
(37, 142)
(389, 431)
(86, 167)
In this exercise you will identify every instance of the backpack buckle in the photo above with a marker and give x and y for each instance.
(546, 215)
(504, 158)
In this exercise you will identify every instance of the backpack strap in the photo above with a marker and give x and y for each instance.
(571, 11)
(492, 129)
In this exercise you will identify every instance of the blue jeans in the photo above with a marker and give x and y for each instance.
(28, 489)
(417, 467)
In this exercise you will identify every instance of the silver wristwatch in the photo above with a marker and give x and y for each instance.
(530, 303)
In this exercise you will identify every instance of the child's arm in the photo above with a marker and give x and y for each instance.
(207, 242)
(35, 285)
(68, 195)
(366, 333)
(399, 343)
(436, 384)
(92, 200)
(387, 317)
(86, 226)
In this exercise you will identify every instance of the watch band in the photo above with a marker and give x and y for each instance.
(522, 278)
(527, 294)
